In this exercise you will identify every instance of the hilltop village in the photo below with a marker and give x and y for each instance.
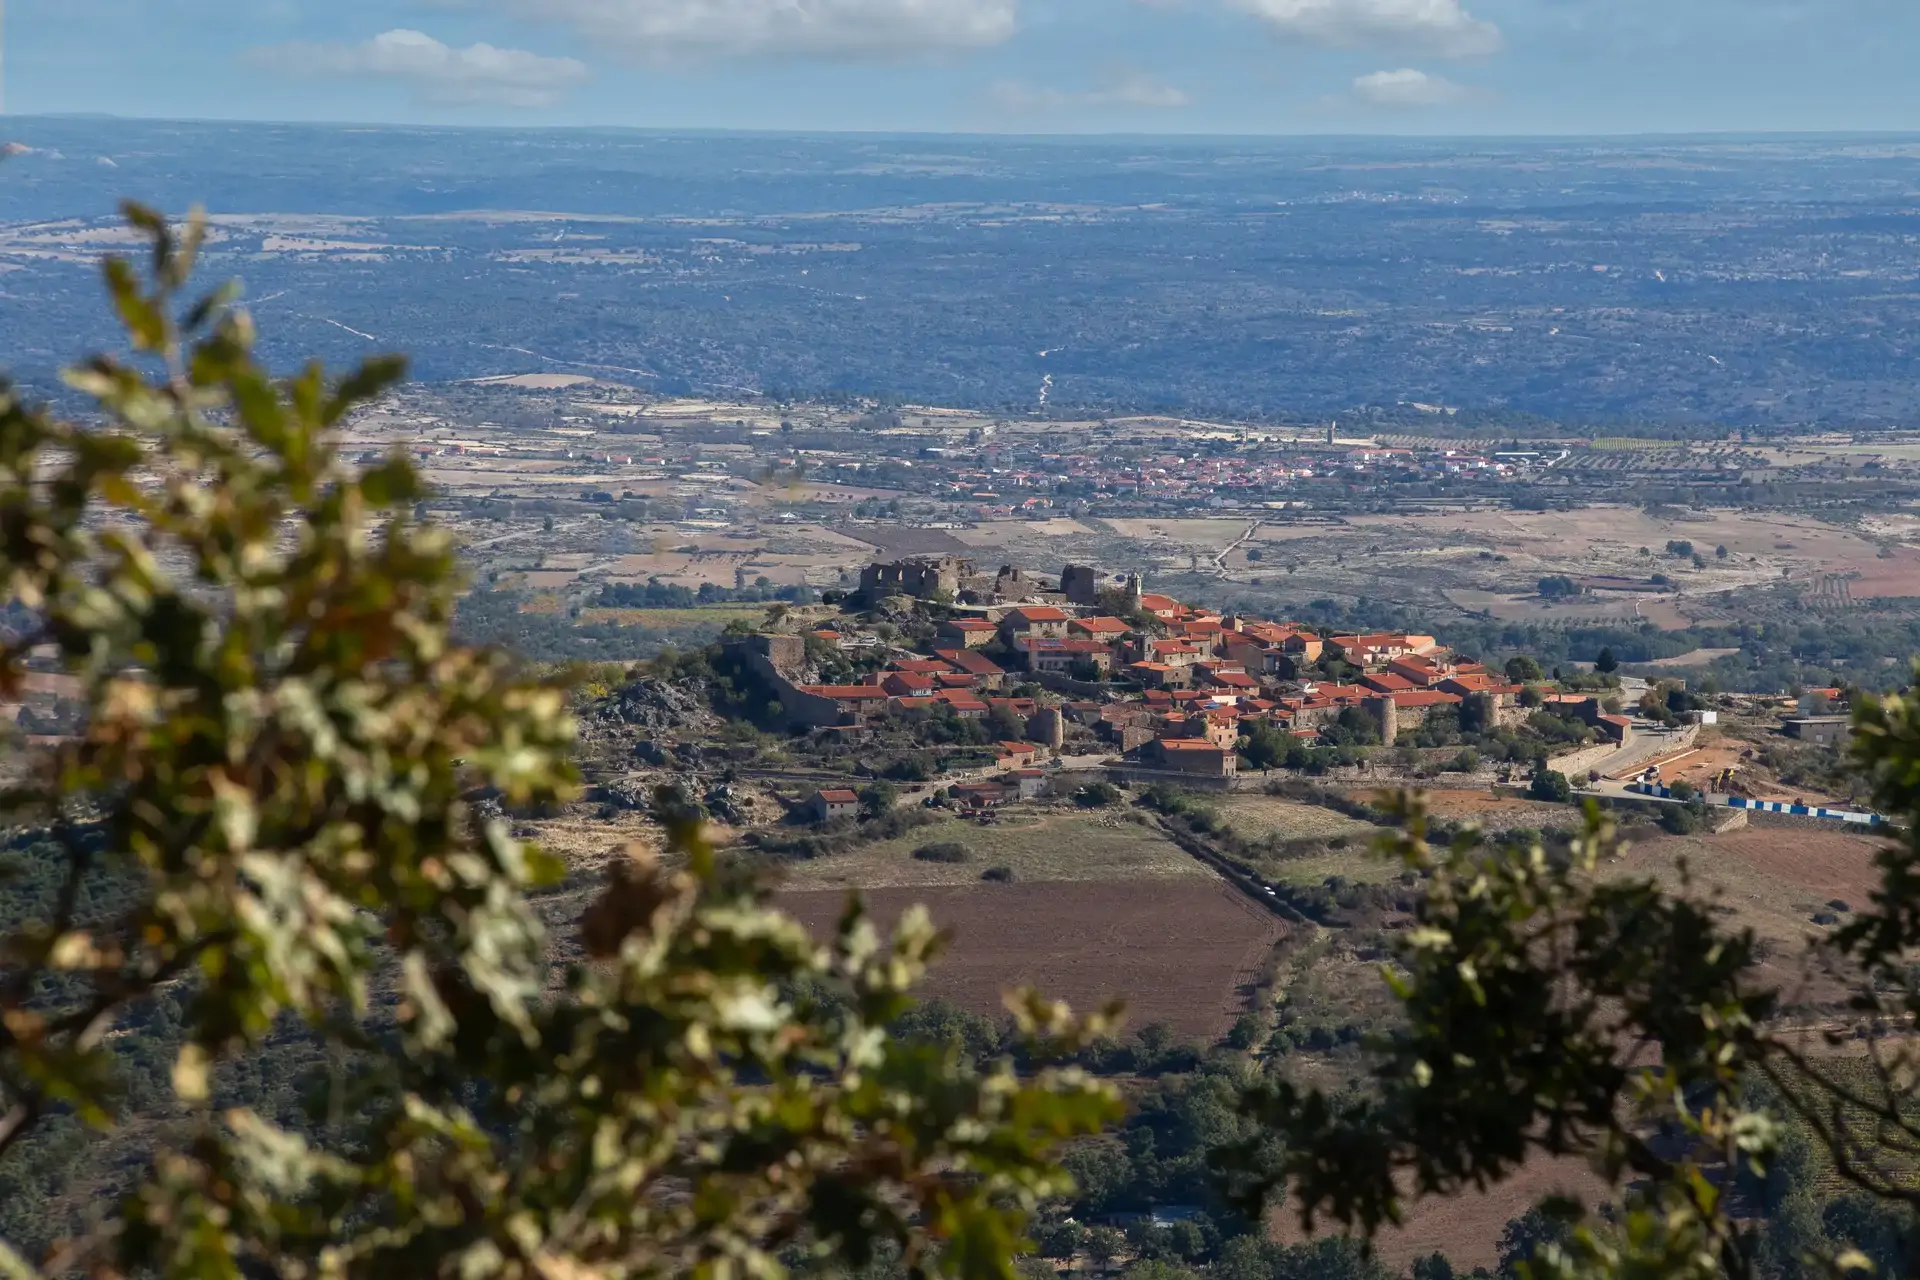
(1091, 666)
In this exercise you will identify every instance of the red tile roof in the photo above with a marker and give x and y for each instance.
(845, 692)
(839, 795)
(1035, 613)
(1070, 644)
(971, 662)
(1102, 626)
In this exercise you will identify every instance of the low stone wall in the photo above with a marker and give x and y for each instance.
(1061, 682)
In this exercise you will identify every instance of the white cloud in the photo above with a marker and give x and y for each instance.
(1433, 28)
(1124, 90)
(1407, 90)
(665, 31)
(479, 73)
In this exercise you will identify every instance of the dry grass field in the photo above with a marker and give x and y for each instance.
(1037, 847)
(1774, 880)
(1358, 863)
(718, 615)
(1258, 817)
(1497, 813)
(1772, 873)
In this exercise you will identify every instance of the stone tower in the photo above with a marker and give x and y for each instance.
(1386, 715)
(1079, 583)
(1133, 592)
(1047, 727)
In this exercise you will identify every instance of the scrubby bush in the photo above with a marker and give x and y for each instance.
(942, 851)
(1097, 795)
(1550, 785)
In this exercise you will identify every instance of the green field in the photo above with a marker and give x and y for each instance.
(1064, 846)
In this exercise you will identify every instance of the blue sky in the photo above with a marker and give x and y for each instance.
(1053, 66)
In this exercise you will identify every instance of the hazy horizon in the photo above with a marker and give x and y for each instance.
(1072, 136)
(1208, 68)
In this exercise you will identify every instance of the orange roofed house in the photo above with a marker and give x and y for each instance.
(966, 633)
(1035, 620)
(1378, 648)
(1163, 607)
(831, 803)
(1108, 629)
(1046, 653)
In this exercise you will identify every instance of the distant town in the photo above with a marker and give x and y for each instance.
(1095, 670)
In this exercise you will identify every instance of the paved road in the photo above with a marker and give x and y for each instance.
(1647, 743)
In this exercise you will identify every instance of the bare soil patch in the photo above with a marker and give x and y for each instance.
(1467, 1227)
(1773, 879)
(1183, 952)
(1826, 864)
(1896, 575)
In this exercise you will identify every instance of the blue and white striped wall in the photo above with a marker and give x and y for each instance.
(1770, 806)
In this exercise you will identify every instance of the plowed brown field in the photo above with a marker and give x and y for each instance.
(1182, 952)
(1826, 864)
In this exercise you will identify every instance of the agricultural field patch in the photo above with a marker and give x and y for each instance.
(1773, 879)
(1035, 847)
(1496, 813)
(1260, 817)
(718, 615)
(1895, 573)
(1200, 533)
(1466, 1227)
(1818, 865)
(1598, 609)
(1692, 658)
(1357, 862)
(1185, 952)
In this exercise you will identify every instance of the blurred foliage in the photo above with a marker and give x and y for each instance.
(282, 811)
(1552, 1005)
